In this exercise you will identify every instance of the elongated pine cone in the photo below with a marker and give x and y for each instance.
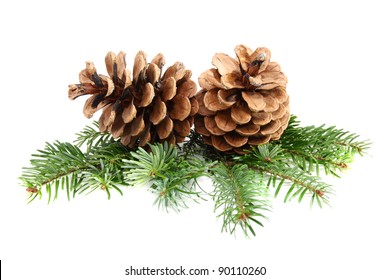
(147, 107)
(243, 101)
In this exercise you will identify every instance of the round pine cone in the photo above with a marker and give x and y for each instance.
(148, 107)
(243, 102)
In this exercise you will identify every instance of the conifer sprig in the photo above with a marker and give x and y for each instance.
(275, 163)
(240, 197)
(314, 149)
(64, 166)
(170, 175)
(242, 183)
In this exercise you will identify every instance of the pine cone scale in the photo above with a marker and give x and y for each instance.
(271, 127)
(137, 125)
(181, 108)
(200, 126)
(182, 127)
(159, 111)
(202, 108)
(220, 143)
(129, 112)
(225, 64)
(232, 80)
(210, 79)
(226, 97)
(117, 127)
(261, 118)
(164, 128)
(224, 121)
(235, 140)
(255, 101)
(260, 139)
(240, 113)
(169, 90)
(212, 102)
(248, 129)
(277, 114)
(211, 125)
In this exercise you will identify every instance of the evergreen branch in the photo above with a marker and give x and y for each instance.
(51, 166)
(301, 184)
(271, 160)
(312, 148)
(170, 175)
(171, 172)
(64, 166)
(239, 196)
(145, 167)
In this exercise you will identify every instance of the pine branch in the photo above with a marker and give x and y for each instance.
(170, 175)
(271, 160)
(64, 166)
(145, 167)
(241, 190)
(300, 184)
(314, 148)
(52, 166)
(239, 196)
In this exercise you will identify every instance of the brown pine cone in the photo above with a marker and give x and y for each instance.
(243, 101)
(148, 107)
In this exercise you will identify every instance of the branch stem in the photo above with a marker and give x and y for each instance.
(341, 165)
(237, 195)
(289, 178)
(62, 174)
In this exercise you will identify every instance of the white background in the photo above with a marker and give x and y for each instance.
(336, 56)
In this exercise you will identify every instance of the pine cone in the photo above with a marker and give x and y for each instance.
(147, 107)
(243, 102)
